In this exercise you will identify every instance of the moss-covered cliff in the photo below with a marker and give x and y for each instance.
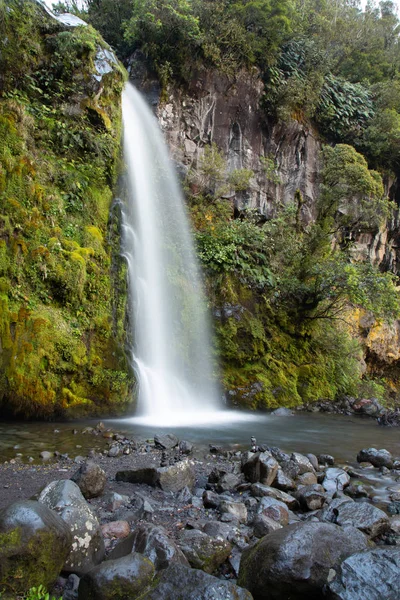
(62, 285)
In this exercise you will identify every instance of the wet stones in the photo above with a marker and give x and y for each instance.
(91, 479)
(335, 480)
(294, 562)
(34, 545)
(259, 467)
(87, 549)
(365, 517)
(172, 478)
(236, 509)
(311, 497)
(166, 441)
(116, 530)
(203, 551)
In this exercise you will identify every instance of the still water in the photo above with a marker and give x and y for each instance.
(338, 435)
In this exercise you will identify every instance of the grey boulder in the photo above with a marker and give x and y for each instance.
(87, 549)
(366, 517)
(377, 458)
(91, 479)
(203, 551)
(170, 479)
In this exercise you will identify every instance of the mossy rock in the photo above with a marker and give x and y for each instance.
(34, 544)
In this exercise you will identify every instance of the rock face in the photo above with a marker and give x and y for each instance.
(66, 499)
(294, 562)
(181, 583)
(34, 545)
(373, 575)
(153, 542)
(126, 577)
(91, 479)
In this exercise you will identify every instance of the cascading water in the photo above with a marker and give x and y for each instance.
(171, 350)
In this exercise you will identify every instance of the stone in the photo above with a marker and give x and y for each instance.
(170, 479)
(302, 462)
(368, 406)
(329, 512)
(294, 562)
(71, 588)
(166, 441)
(116, 530)
(377, 458)
(34, 545)
(274, 509)
(113, 501)
(282, 412)
(211, 499)
(91, 479)
(66, 499)
(181, 583)
(313, 460)
(326, 459)
(114, 451)
(221, 530)
(284, 482)
(372, 575)
(185, 447)
(263, 525)
(335, 480)
(227, 482)
(153, 542)
(45, 455)
(311, 497)
(126, 577)
(236, 509)
(307, 479)
(203, 551)
(259, 466)
(260, 491)
(364, 516)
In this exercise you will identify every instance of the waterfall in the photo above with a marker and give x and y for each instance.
(171, 352)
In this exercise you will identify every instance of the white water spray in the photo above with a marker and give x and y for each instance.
(171, 351)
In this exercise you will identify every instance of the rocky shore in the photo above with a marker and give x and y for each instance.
(158, 520)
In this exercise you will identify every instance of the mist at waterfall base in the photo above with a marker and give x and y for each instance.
(171, 352)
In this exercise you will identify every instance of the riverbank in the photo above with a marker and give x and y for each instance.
(213, 505)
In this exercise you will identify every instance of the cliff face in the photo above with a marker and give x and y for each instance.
(62, 286)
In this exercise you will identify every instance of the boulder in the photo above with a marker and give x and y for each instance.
(203, 551)
(71, 588)
(91, 479)
(87, 550)
(263, 525)
(126, 577)
(181, 583)
(294, 562)
(377, 458)
(170, 479)
(364, 516)
(311, 497)
(34, 545)
(153, 542)
(372, 575)
(326, 459)
(274, 509)
(166, 441)
(211, 499)
(307, 479)
(284, 482)
(116, 530)
(259, 466)
(302, 462)
(335, 480)
(227, 482)
(185, 447)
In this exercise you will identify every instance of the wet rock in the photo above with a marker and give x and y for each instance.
(302, 462)
(34, 545)
(180, 582)
(259, 466)
(113, 501)
(365, 517)
(227, 482)
(284, 482)
(91, 479)
(313, 460)
(222, 530)
(114, 451)
(65, 498)
(394, 508)
(335, 480)
(368, 406)
(307, 479)
(126, 577)
(263, 525)
(274, 509)
(326, 459)
(372, 575)
(356, 490)
(166, 441)
(116, 529)
(211, 499)
(153, 542)
(71, 588)
(311, 497)
(236, 509)
(282, 412)
(203, 551)
(185, 447)
(45, 455)
(395, 524)
(328, 513)
(170, 479)
(377, 458)
(260, 491)
(294, 562)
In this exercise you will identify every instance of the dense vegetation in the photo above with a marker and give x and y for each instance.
(282, 291)
(61, 325)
